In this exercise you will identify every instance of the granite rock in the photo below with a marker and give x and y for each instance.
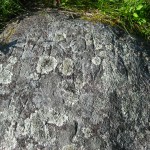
(69, 84)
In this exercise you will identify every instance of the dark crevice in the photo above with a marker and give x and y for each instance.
(116, 146)
(75, 127)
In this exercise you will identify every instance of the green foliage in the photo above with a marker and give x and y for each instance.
(81, 3)
(132, 15)
(9, 7)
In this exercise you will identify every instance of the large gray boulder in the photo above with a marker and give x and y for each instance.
(69, 84)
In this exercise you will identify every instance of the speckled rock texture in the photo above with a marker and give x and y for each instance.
(69, 84)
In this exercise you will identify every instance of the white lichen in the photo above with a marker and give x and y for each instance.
(9, 141)
(69, 147)
(34, 76)
(5, 75)
(1, 67)
(12, 60)
(96, 60)
(102, 54)
(97, 44)
(6, 72)
(87, 132)
(70, 99)
(46, 64)
(88, 39)
(56, 118)
(60, 37)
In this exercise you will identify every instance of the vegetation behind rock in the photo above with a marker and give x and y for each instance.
(131, 15)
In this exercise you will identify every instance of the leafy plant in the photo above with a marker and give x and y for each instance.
(9, 7)
(132, 15)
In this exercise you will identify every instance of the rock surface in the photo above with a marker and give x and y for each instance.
(68, 84)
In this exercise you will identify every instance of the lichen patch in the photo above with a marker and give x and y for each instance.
(5, 76)
(56, 118)
(96, 60)
(12, 60)
(60, 37)
(67, 67)
(87, 132)
(69, 147)
(34, 76)
(6, 72)
(88, 39)
(97, 44)
(46, 64)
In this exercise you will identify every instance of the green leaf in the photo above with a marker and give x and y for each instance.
(135, 15)
(143, 21)
(131, 8)
(139, 7)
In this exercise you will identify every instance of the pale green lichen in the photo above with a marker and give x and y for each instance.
(46, 64)
(1, 67)
(34, 76)
(96, 60)
(88, 39)
(79, 84)
(70, 100)
(9, 141)
(97, 44)
(67, 67)
(69, 147)
(60, 37)
(12, 60)
(102, 54)
(56, 118)
(6, 72)
(87, 132)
